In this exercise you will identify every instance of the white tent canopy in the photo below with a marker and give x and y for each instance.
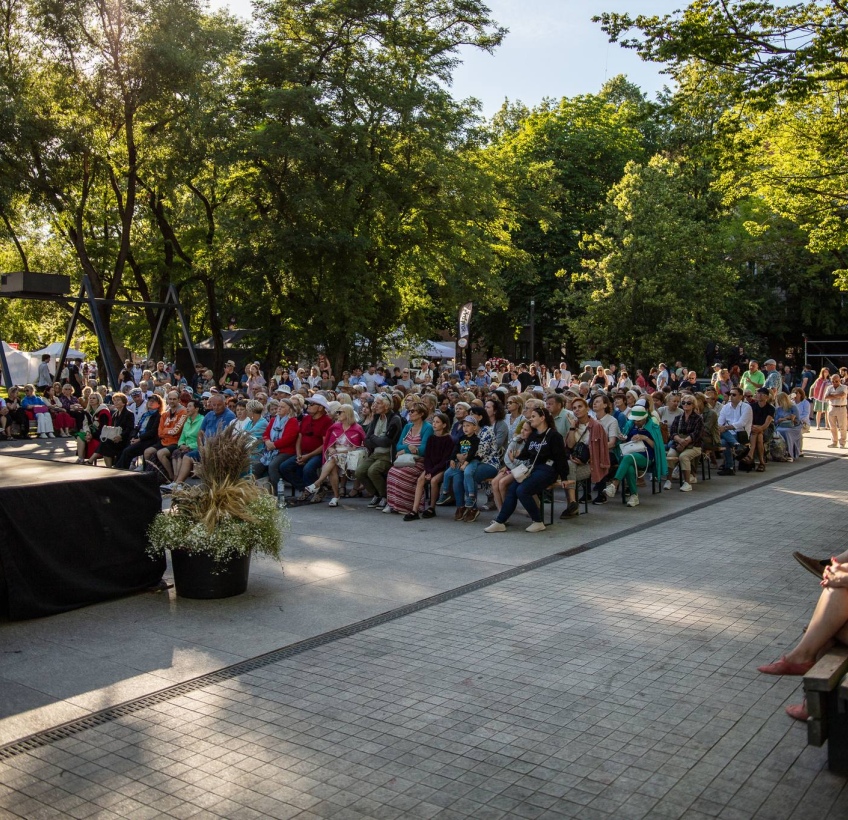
(23, 367)
(55, 349)
(437, 350)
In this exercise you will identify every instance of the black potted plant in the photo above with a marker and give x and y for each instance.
(213, 528)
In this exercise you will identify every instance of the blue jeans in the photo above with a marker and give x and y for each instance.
(476, 472)
(730, 442)
(535, 484)
(454, 482)
(300, 475)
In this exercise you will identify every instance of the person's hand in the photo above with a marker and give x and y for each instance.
(835, 575)
(269, 445)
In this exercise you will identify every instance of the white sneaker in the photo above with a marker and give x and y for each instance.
(387, 509)
(536, 526)
(790, 459)
(693, 479)
(667, 485)
(675, 473)
(495, 526)
(686, 487)
(633, 501)
(312, 488)
(169, 488)
(51, 435)
(610, 490)
(44, 435)
(334, 502)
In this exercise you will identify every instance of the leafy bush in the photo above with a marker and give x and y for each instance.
(227, 514)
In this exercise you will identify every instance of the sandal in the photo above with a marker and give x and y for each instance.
(761, 468)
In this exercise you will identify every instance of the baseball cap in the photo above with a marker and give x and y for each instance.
(206, 395)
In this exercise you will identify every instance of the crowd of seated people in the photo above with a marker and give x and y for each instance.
(415, 441)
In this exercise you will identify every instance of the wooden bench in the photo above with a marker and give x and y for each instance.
(826, 691)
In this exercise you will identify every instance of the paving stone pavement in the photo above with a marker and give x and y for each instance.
(616, 683)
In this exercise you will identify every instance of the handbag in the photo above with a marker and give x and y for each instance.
(632, 448)
(580, 450)
(110, 433)
(354, 458)
(405, 460)
(521, 471)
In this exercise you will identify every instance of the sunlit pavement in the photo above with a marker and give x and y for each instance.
(618, 682)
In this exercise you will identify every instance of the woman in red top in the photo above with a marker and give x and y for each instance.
(279, 441)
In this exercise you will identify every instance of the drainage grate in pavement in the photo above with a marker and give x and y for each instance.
(66, 730)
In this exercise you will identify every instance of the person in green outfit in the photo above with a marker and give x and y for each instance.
(753, 378)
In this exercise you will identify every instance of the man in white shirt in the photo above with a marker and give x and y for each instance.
(662, 377)
(370, 379)
(836, 395)
(564, 373)
(137, 404)
(736, 417)
(425, 376)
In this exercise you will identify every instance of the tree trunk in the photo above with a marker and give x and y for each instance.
(215, 325)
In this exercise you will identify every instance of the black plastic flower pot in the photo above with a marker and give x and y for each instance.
(200, 576)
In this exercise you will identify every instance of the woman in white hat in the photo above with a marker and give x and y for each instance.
(642, 431)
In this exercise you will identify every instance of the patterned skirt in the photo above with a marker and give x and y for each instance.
(400, 487)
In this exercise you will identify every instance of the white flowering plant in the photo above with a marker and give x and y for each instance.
(227, 514)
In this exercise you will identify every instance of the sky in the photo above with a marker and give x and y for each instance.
(553, 49)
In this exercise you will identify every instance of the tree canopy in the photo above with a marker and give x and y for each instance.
(313, 178)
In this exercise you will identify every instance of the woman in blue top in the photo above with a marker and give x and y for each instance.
(640, 428)
(788, 424)
(38, 407)
(402, 479)
(255, 424)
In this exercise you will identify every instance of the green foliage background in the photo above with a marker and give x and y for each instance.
(313, 178)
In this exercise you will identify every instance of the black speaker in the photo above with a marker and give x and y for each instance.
(20, 283)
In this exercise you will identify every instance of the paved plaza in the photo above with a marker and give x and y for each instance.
(616, 679)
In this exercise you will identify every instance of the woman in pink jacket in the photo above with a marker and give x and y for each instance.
(342, 437)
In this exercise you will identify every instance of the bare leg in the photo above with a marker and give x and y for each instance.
(329, 466)
(108, 461)
(829, 621)
(164, 457)
(186, 466)
(435, 484)
(419, 492)
(757, 447)
(334, 477)
(496, 492)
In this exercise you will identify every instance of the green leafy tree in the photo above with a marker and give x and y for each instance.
(656, 275)
(90, 90)
(556, 166)
(370, 207)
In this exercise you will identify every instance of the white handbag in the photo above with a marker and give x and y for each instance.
(109, 433)
(354, 458)
(632, 448)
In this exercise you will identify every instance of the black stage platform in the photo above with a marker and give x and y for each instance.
(72, 535)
